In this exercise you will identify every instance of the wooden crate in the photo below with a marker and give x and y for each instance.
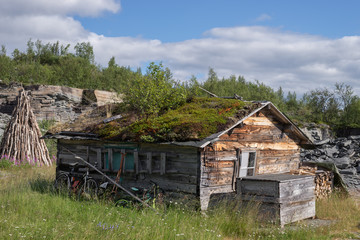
(283, 198)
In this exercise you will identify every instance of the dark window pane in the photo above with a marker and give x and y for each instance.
(250, 172)
(251, 162)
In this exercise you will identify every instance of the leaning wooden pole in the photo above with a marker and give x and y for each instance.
(112, 181)
(22, 137)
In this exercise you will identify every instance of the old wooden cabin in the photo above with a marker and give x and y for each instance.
(204, 147)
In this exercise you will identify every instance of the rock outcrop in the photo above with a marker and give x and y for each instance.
(344, 153)
(57, 103)
(317, 132)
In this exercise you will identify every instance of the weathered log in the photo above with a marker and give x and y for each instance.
(21, 140)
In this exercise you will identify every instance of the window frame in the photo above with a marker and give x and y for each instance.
(242, 161)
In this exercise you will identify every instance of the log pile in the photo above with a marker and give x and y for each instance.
(323, 180)
(21, 140)
(323, 184)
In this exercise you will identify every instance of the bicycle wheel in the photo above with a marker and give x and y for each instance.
(88, 190)
(62, 184)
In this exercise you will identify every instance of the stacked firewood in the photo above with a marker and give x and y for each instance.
(323, 184)
(21, 140)
(323, 180)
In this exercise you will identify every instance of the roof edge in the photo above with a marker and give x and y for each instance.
(298, 131)
(234, 125)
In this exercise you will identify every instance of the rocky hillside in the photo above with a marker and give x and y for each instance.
(343, 152)
(57, 103)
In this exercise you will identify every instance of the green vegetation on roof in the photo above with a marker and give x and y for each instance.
(194, 120)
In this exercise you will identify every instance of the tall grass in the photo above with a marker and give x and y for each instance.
(7, 162)
(345, 211)
(29, 209)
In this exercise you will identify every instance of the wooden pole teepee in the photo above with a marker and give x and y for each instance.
(21, 140)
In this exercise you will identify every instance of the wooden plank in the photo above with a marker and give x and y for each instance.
(258, 188)
(278, 200)
(295, 212)
(219, 164)
(87, 154)
(170, 149)
(225, 146)
(184, 178)
(163, 182)
(273, 160)
(299, 187)
(278, 153)
(217, 182)
(110, 159)
(98, 157)
(163, 164)
(187, 168)
(80, 142)
(278, 168)
(136, 162)
(219, 174)
(263, 121)
(123, 155)
(149, 162)
(214, 170)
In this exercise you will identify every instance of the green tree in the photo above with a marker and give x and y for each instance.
(155, 92)
(6, 66)
(85, 50)
(351, 117)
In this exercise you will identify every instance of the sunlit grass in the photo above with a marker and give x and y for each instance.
(29, 209)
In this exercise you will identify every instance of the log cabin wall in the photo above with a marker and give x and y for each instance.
(277, 151)
(174, 168)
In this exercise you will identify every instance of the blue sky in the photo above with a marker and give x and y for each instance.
(299, 45)
(171, 21)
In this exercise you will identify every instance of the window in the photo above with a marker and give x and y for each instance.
(116, 160)
(247, 163)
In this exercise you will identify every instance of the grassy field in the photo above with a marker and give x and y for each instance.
(30, 210)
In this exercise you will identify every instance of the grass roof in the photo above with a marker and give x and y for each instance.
(195, 120)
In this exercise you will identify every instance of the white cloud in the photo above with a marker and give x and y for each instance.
(48, 20)
(297, 62)
(263, 17)
(64, 7)
(294, 61)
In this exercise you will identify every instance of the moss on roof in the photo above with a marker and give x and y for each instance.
(194, 120)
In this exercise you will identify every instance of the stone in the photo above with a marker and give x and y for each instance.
(331, 151)
(316, 132)
(4, 119)
(354, 137)
(325, 141)
(342, 163)
(352, 182)
(347, 143)
(351, 171)
(57, 103)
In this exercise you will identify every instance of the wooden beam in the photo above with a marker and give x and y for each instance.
(98, 158)
(136, 161)
(88, 154)
(210, 93)
(162, 163)
(149, 162)
(110, 159)
(123, 152)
